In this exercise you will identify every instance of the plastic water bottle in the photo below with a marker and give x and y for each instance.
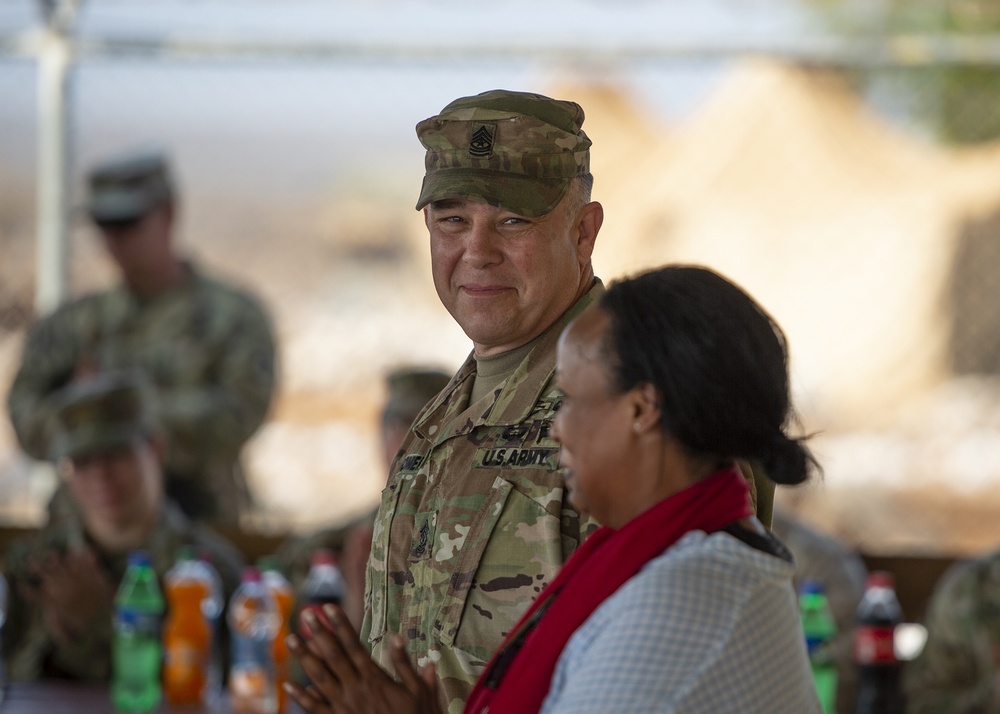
(136, 649)
(211, 608)
(187, 637)
(253, 625)
(879, 672)
(284, 597)
(820, 630)
(323, 585)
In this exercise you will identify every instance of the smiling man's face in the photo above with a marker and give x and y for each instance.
(506, 278)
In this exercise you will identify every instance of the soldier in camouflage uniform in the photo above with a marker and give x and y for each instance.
(206, 346)
(958, 671)
(474, 519)
(409, 389)
(63, 580)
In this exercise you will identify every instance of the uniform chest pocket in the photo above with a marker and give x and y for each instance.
(512, 548)
(377, 579)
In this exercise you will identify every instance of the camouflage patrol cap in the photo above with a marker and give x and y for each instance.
(124, 189)
(409, 391)
(103, 413)
(516, 150)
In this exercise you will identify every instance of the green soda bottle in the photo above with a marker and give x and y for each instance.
(136, 648)
(820, 631)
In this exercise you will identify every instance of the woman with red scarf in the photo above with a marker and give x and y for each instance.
(682, 601)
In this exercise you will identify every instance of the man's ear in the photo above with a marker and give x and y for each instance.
(588, 225)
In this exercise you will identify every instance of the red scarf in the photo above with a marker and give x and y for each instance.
(605, 561)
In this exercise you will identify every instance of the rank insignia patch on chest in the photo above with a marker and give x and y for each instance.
(481, 141)
(411, 462)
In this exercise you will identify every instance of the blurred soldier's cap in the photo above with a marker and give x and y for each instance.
(126, 188)
(515, 150)
(410, 390)
(100, 414)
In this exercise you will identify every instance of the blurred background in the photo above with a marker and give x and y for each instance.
(840, 160)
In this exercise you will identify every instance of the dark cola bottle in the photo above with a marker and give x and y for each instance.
(323, 585)
(879, 671)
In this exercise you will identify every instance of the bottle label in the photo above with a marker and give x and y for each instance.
(136, 661)
(331, 597)
(315, 608)
(252, 690)
(251, 678)
(874, 645)
(144, 624)
(184, 664)
(252, 650)
(821, 650)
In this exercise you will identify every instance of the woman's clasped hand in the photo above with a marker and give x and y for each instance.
(345, 679)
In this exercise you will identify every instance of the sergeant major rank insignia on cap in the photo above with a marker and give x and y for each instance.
(517, 150)
(481, 141)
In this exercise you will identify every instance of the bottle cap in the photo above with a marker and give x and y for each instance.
(138, 558)
(184, 552)
(267, 562)
(811, 586)
(250, 574)
(880, 579)
(323, 556)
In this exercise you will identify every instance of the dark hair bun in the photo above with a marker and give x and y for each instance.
(787, 461)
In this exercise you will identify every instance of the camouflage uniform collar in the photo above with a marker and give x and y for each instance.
(171, 520)
(537, 368)
(192, 279)
(517, 397)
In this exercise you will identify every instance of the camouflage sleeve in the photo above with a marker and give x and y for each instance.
(50, 357)
(222, 415)
(20, 631)
(87, 656)
(28, 647)
(956, 673)
(365, 631)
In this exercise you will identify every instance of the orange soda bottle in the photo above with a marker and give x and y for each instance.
(284, 596)
(187, 640)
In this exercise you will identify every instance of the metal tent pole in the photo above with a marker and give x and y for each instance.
(54, 62)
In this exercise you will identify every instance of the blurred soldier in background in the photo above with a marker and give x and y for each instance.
(958, 671)
(409, 390)
(206, 346)
(62, 581)
(842, 573)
